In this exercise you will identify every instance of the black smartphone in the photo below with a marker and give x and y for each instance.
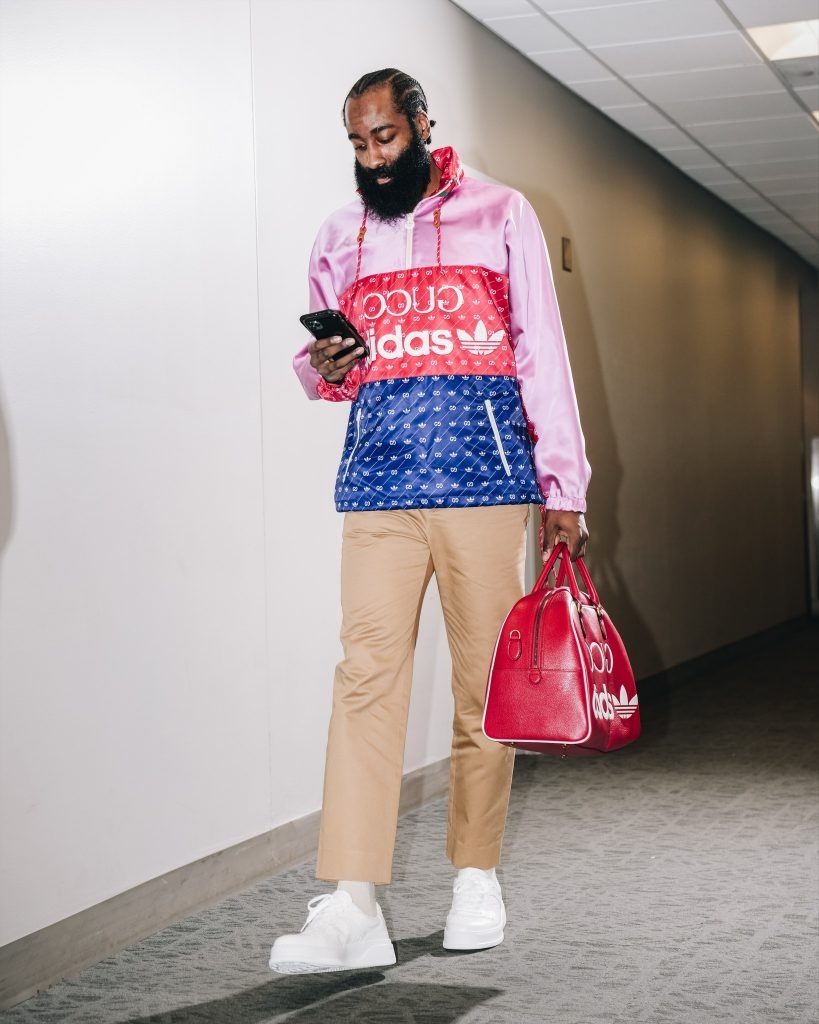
(331, 323)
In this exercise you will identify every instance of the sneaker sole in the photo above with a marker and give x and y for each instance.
(465, 938)
(381, 955)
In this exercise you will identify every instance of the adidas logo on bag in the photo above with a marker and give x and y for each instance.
(605, 705)
(624, 707)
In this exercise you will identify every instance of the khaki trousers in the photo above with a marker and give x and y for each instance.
(388, 558)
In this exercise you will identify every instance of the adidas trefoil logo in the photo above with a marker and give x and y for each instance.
(482, 342)
(624, 707)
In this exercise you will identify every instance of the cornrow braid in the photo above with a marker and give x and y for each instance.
(407, 94)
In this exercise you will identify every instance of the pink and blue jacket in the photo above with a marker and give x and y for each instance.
(465, 397)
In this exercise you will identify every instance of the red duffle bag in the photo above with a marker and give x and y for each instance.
(560, 681)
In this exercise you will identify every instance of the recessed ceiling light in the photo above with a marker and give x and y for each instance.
(786, 42)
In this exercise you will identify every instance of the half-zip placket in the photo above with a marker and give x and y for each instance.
(410, 220)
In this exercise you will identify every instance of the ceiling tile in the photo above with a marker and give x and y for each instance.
(638, 115)
(732, 190)
(493, 8)
(688, 157)
(550, 6)
(608, 92)
(809, 227)
(801, 71)
(785, 186)
(771, 216)
(691, 54)
(634, 23)
(714, 175)
(792, 234)
(797, 126)
(732, 108)
(748, 152)
(755, 204)
(806, 237)
(774, 169)
(809, 94)
(771, 12)
(530, 33)
(662, 138)
(807, 204)
(704, 84)
(570, 65)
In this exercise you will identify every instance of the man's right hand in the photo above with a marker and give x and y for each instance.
(321, 357)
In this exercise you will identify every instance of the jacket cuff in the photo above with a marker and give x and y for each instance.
(345, 391)
(563, 503)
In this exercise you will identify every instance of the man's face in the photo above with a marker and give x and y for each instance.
(391, 160)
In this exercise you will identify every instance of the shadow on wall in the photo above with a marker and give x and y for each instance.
(607, 475)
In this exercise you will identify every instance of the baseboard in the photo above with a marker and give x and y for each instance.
(34, 962)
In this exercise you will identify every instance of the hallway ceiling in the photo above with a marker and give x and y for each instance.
(687, 78)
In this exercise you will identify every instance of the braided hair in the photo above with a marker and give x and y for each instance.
(407, 94)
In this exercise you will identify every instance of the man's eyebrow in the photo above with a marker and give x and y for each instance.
(373, 131)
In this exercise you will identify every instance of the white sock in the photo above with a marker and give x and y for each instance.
(363, 895)
(489, 872)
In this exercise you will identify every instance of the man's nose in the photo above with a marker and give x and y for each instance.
(374, 158)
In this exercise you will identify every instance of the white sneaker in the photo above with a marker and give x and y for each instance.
(478, 915)
(336, 936)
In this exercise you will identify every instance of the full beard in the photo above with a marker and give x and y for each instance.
(410, 176)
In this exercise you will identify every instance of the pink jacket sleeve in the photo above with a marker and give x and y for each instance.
(323, 295)
(543, 370)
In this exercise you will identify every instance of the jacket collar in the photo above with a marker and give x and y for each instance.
(452, 172)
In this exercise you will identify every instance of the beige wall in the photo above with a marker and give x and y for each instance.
(683, 328)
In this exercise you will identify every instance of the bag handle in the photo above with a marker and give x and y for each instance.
(565, 574)
(559, 552)
(566, 567)
(591, 590)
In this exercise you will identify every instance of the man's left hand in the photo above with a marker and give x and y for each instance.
(567, 526)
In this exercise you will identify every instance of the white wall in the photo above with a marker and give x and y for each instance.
(132, 653)
(151, 533)
(168, 584)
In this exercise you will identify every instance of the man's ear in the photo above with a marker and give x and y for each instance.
(422, 122)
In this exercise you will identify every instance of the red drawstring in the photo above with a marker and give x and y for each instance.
(436, 220)
(362, 231)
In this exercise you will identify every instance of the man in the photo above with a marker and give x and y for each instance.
(463, 414)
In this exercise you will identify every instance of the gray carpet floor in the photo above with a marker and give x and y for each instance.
(675, 882)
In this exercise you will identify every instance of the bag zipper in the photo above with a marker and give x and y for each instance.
(355, 443)
(490, 413)
(536, 640)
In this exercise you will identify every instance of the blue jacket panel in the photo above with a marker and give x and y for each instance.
(436, 441)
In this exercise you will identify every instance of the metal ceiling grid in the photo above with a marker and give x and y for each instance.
(686, 77)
